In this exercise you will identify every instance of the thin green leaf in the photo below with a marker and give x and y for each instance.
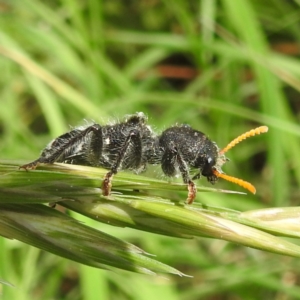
(77, 188)
(50, 230)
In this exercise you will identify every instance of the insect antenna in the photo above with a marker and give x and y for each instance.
(247, 185)
(252, 132)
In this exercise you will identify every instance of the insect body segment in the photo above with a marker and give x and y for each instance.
(132, 145)
(184, 148)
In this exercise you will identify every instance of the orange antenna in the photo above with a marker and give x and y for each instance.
(256, 131)
(247, 185)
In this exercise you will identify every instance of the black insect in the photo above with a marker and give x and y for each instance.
(132, 145)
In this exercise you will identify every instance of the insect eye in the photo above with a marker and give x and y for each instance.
(208, 166)
(210, 161)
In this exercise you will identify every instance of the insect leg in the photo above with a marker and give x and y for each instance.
(134, 138)
(61, 147)
(170, 158)
(184, 170)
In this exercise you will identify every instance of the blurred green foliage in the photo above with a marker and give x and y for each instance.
(221, 66)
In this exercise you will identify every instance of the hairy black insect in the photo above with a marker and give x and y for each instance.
(132, 145)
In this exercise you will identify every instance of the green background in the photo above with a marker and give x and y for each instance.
(222, 67)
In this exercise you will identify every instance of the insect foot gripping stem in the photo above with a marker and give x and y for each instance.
(192, 192)
(30, 166)
(107, 184)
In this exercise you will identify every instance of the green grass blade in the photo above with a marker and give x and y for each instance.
(50, 230)
(138, 209)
